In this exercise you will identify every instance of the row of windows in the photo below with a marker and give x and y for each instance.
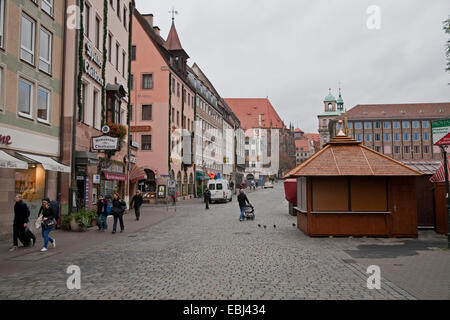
(30, 97)
(406, 149)
(28, 45)
(387, 124)
(397, 136)
(98, 34)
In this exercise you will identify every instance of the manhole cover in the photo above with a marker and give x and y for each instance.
(398, 265)
(242, 233)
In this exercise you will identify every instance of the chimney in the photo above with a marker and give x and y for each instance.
(149, 19)
(157, 30)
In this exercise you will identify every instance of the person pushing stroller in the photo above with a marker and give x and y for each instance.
(242, 200)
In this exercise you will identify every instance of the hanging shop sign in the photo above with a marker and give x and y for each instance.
(96, 179)
(105, 143)
(441, 132)
(140, 129)
(89, 64)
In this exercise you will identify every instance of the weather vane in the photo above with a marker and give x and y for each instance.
(173, 12)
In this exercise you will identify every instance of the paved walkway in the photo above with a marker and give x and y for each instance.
(198, 254)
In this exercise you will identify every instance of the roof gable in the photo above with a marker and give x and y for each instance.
(348, 157)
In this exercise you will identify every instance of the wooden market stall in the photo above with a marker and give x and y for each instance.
(438, 179)
(348, 189)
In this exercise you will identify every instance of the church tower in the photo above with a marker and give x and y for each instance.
(330, 102)
(340, 102)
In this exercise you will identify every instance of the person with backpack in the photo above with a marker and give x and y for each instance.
(48, 223)
(56, 207)
(102, 212)
(242, 200)
(137, 201)
(117, 210)
(20, 225)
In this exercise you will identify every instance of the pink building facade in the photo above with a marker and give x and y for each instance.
(163, 109)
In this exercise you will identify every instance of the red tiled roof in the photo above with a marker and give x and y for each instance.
(343, 156)
(302, 144)
(298, 130)
(248, 111)
(399, 111)
(312, 136)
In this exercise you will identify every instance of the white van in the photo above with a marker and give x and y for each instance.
(220, 190)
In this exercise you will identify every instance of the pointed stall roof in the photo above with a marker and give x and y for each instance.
(343, 156)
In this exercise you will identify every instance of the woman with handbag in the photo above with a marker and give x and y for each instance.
(117, 210)
(48, 216)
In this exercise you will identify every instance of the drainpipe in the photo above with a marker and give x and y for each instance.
(61, 116)
(73, 187)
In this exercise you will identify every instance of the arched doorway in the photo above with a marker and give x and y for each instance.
(179, 183)
(185, 184)
(191, 183)
(148, 185)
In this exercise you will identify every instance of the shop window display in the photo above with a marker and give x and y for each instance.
(31, 185)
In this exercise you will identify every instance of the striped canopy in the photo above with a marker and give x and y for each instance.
(439, 175)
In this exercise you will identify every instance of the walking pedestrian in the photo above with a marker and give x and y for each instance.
(117, 210)
(207, 197)
(137, 201)
(20, 224)
(242, 200)
(48, 223)
(102, 214)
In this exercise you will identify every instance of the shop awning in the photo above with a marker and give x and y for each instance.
(137, 174)
(115, 176)
(47, 162)
(439, 175)
(201, 176)
(9, 162)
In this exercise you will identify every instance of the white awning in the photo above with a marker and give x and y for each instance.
(9, 162)
(47, 163)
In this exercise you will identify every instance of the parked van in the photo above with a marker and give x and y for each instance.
(220, 190)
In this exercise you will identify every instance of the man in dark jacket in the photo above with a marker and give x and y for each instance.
(21, 218)
(207, 197)
(242, 200)
(137, 201)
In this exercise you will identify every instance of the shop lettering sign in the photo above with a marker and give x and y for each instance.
(105, 143)
(89, 67)
(5, 140)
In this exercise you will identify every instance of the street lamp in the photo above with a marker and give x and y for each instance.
(444, 152)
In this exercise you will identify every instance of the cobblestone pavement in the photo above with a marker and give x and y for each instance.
(200, 254)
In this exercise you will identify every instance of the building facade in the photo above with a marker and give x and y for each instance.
(98, 54)
(163, 103)
(31, 90)
(400, 131)
(263, 132)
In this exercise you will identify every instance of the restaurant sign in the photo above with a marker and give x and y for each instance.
(105, 143)
(441, 132)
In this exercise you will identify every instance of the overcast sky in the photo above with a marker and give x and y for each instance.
(292, 51)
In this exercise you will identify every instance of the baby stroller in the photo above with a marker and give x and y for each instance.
(249, 212)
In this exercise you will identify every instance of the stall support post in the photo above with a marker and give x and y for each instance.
(447, 192)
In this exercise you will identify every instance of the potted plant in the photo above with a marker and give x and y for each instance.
(73, 222)
(94, 218)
